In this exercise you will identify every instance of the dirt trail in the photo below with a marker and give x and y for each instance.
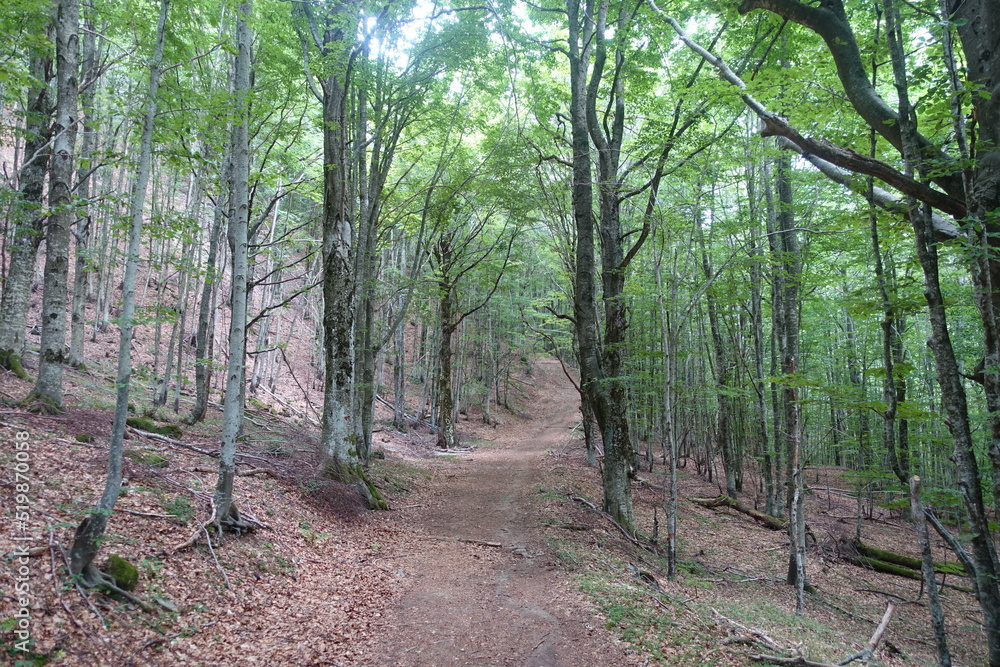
(468, 603)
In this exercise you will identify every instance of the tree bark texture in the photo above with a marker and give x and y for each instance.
(226, 512)
(28, 220)
(47, 393)
(89, 533)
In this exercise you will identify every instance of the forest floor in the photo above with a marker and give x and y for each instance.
(489, 555)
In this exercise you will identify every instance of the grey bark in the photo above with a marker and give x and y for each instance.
(930, 578)
(82, 262)
(89, 533)
(723, 371)
(47, 392)
(204, 333)
(226, 512)
(28, 221)
(950, 381)
(333, 33)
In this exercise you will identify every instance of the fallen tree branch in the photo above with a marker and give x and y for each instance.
(864, 654)
(767, 520)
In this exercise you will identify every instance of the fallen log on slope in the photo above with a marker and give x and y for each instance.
(896, 570)
(908, 561)
(766, 520)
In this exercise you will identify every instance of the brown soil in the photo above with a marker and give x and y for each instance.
(479, 562)
(481, 584)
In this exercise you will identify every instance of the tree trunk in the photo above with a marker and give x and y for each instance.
(82, 260)
(722, 372)
(978, 22)
(950, 381)
(227, 515)
(90, 532)
(339, 449)
(203, 336)
(47, 394)
(28, 219)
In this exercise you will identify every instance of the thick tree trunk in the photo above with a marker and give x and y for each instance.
(978, 24)
(28, 219)
(445, 397)
(950, 381)
(601, 368)
(339, 450)
(47, 393)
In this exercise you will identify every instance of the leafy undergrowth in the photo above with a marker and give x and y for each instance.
(729, 601)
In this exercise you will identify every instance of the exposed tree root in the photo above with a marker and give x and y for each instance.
(40, 404)
(92, 578)
(231, 522)
(355, 475)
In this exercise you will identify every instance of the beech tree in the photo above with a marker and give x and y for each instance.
(27, 217)
(227, 515)
(47, 394)
(87, 540)
(829, 20)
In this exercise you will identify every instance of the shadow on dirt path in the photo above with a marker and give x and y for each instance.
(482, 587)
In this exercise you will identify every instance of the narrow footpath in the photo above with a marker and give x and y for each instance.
(482, 587)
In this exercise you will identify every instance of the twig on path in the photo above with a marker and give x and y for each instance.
(149, 514)
(542, 641)
(466, 540)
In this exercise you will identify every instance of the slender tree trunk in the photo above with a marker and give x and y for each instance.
(226, 513)
(82, 261)
(90, 532)
(930, 577)
(204, 334)
(722, 373)
(790, 265)
(669, 427)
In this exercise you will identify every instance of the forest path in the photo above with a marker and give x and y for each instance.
(469, 603)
